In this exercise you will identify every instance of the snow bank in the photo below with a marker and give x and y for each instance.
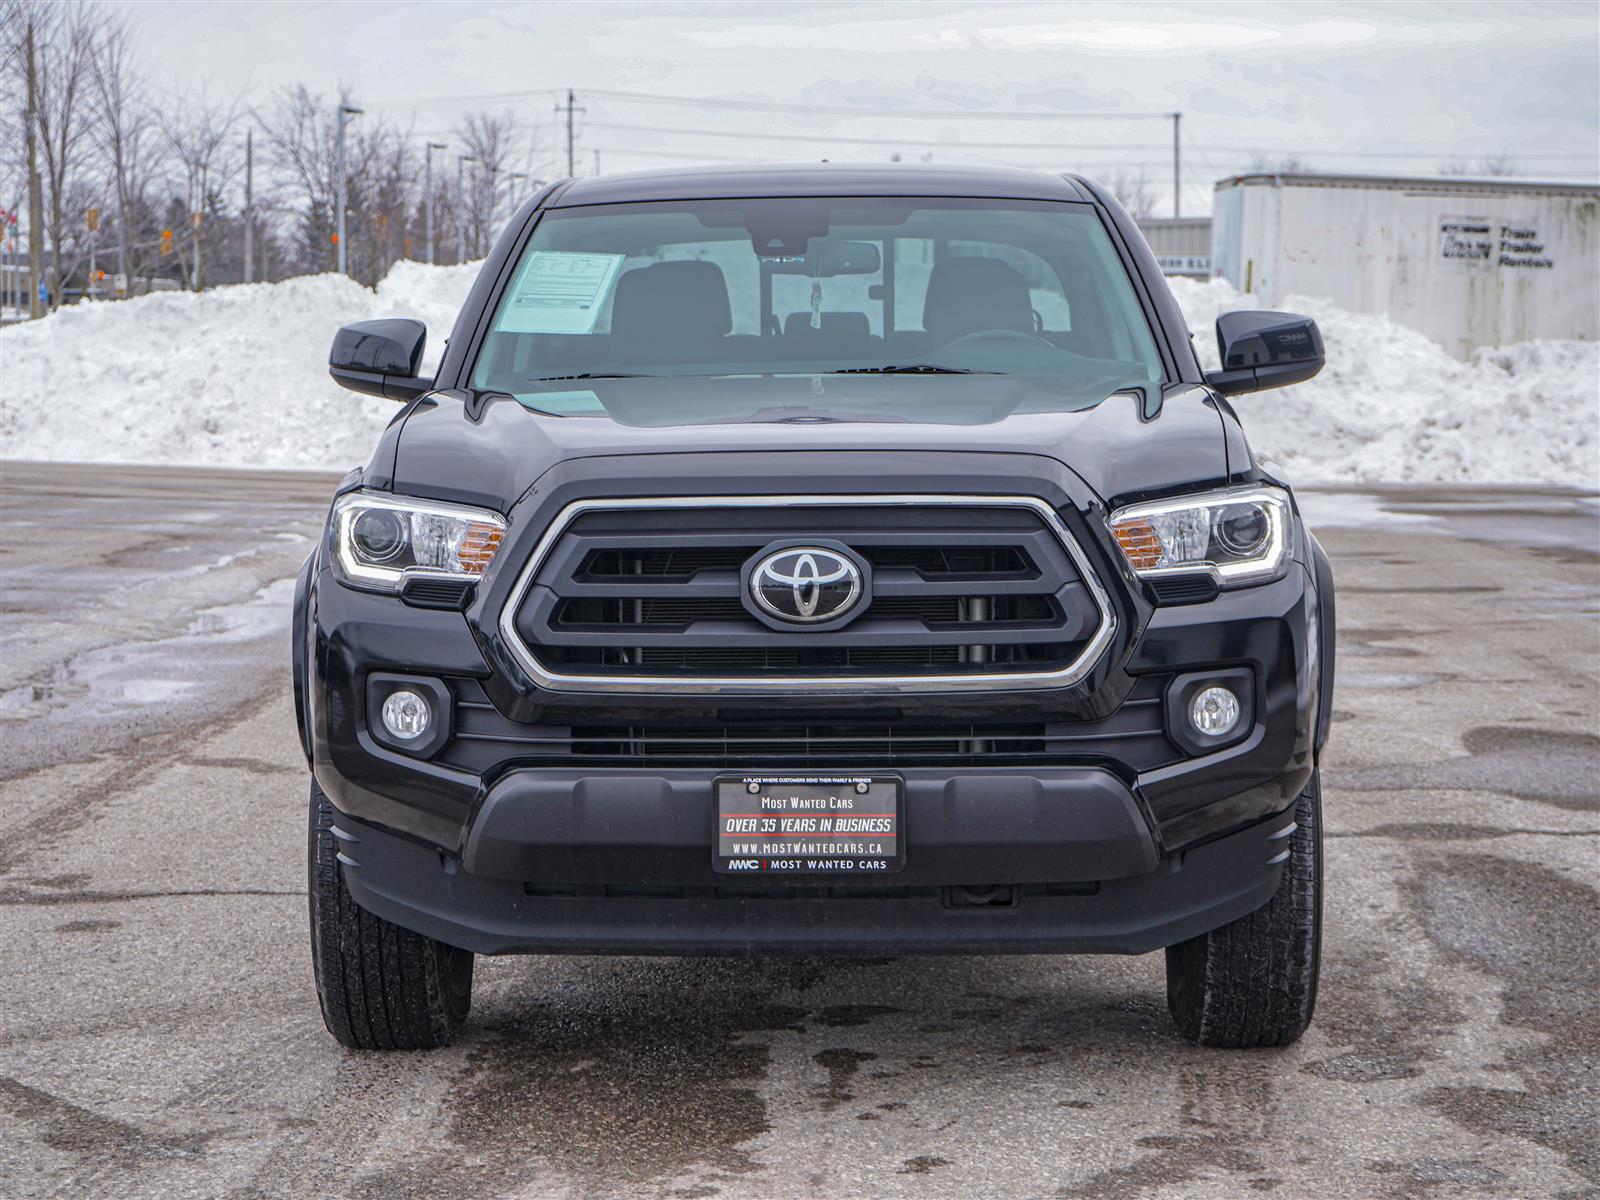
(1392, 406)
(237, 376)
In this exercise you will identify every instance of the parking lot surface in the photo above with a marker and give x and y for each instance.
(159, 1033)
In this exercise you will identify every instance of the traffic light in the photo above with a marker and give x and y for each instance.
(166, 241)
(93, 219)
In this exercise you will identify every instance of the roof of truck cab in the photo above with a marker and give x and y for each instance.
(819, 179)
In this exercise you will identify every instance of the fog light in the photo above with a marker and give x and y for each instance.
(1213, 712)
(406, 715)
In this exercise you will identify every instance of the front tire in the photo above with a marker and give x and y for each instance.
(381, 987)
(1254, 981)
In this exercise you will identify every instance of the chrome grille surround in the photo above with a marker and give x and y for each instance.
(836, 684)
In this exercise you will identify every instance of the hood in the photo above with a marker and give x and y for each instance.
(489, 448)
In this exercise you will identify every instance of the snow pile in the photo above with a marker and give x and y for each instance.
(1392, 406)
(237, 376)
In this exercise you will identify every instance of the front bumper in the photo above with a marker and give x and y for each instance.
(1186, 895)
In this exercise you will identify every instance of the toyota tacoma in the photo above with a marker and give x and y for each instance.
(822, 560)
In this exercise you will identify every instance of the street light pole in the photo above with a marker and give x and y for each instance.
(1177, 185)
(461, 204)
(427, 158)
(345, 113)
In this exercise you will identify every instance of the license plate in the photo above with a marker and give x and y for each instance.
(808, 825)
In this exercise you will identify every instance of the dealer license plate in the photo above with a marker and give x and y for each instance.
(845, 825)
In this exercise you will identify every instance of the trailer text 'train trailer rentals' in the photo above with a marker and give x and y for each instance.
(1469, 262)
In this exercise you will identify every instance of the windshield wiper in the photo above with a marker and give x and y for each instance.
(913, 369)
(583, 375)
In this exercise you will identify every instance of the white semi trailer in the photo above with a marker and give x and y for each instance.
(1469, 262)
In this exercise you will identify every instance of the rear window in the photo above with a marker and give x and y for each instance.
(818, 286)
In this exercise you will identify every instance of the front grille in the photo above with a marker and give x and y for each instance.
(651, 592)
(1134, 737)
(932, 610)
(684, 563)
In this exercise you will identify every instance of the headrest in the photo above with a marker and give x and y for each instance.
(669, 310)
(966, 295)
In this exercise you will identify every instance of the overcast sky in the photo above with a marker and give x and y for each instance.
(1381, 88)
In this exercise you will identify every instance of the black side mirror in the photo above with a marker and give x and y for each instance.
(1265, 350)
(380, 358)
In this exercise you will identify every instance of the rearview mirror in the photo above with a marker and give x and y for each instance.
(1265, 350)
(380, 358)
(829, 259)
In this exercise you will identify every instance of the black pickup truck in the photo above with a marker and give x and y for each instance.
(824, 560)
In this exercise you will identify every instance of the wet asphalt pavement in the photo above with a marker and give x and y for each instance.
(159, 1033)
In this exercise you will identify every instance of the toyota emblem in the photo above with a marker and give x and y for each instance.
(806, 585)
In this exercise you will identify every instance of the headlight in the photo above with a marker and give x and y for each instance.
(1240, 537)
(379, 540)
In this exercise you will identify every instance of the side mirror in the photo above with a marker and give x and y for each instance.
(1265, 350)
(380, 358)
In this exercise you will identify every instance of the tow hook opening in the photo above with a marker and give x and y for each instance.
(982, 895)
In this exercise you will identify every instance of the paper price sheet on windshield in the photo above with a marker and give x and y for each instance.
(807, 824)
(558, 292)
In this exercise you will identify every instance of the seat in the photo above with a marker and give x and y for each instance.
(842, 335)
(670, 312)
(972, 294)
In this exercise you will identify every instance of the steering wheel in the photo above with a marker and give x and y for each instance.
(999, 335)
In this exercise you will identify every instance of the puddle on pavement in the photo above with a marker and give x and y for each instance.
(107, 696)
(1556, 519)
(1495, 913)
(1393, 680)
(626, 1086)
(1541, 765)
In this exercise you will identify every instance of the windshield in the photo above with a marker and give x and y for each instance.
(818, 287)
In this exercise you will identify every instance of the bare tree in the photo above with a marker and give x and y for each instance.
(64, 46)
(125, 133)
(1135, 192)
(200, 134)
(1497, 165)
(493, 138)
(1493, 165)
(1287, 164)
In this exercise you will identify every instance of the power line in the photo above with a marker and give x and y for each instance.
(833, 139)
(844, 110)
(473, 98)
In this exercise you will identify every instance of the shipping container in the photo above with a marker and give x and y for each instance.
(1469, 262)
(1182, 245)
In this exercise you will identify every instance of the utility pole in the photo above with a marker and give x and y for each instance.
(35, 192)
(427, 159)
(488, 221)
(461, 204)
(249, 208)
(197, 219)
(597, 160)
(1177, 177)
(512, 193)
(345, 113)
(570, 109)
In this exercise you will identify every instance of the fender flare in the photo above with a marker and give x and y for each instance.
(300, 649)
(1327, 632)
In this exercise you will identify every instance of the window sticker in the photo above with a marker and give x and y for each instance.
(558, 292)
